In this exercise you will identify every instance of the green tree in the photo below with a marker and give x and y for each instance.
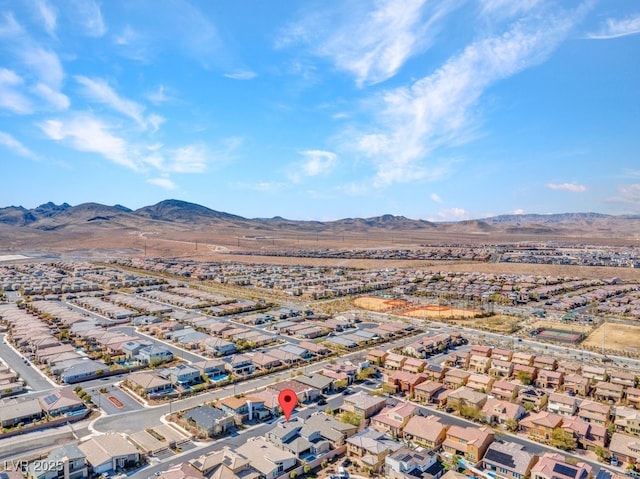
(365, 374)
(350, 418)
(524, 377)
(470, 412)
(293, 475)
(563, 439)
(306, 469)
(511, 424)
(602, 453)
(340, 384)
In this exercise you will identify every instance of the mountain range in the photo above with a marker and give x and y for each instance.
(179, 215)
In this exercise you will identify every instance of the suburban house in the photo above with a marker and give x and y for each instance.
(594, 412)
(109, 452)
(406, 463)
(594, 372)
(61, 401)
(540, 426)
(72, 460)
(369, 448)
(394, 361)
(184, 375)
(498, 411)
(455, 378)
(13, 412)
(480, 383)
(425, 391)
(604, 391)
(479, 364)
(627, 420)
(532, 398)
(465, 396)
(468, 442)
(426, 431)
(405, 381)
(548, 379)
(247, 407)
(625, 447)
(209, 420)
(577, 384)
(505, 390)
(240, 364)
(363, 404)
(508, 460)
(547, 363)
(269, 460)
(144, 383)
(392, 419)
(562, 404)
(555, 466)
(501, 368)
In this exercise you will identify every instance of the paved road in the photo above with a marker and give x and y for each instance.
(31, 375)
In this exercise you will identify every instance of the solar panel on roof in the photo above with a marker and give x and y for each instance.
(50, 399)
(500, 458)
(565, 470)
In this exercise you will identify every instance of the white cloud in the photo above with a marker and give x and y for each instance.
(315, 163)
(518, 211)
(572, 187)
(615, 28)
(88, 15)
(159, 96)
(503, 9)
(435, 197)
(10, 98)
(189, 159)
(10, 27)
(241, 75)
(48, 16)
(371, 42)
(628, 194)
(14, 145)
(452, 214)
(99, 90)
(88, 133)
(165, 183)
(438, 110)
(45, 64)
(56, 99)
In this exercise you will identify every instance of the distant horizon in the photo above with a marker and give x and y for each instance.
(315, 219)
(445, 111)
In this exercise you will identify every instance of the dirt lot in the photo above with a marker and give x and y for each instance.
(574, 328)
(618, 337)
(436, 311)
(496, 324)
(372, 303)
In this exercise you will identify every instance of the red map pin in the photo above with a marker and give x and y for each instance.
(288, 400)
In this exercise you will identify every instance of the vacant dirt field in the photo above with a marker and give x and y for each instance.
(575, 328)
(496, 324)
(373, 303)
(618, 337)
(435, 311)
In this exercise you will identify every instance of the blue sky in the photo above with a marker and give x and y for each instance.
(439, 110)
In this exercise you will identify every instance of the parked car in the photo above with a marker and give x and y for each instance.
(321, 402)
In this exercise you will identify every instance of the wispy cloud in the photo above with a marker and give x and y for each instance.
(314, 163)
(627, 194)
(437, 111)
(88, 133)
(165, 183)
(572, 187)
(10, 98)
(56, 99)
(435, 197)
(518, 211)
(451, 214)
(242, 75)
(99, 90)
(615, 28)
(14, 145)
(87, 14)
(369, 42)
(47, 14)
(504, 9)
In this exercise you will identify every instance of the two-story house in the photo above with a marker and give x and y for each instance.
(393, 419)
(508, 460)
(468, 442)
(562, 404)
(426, 431)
